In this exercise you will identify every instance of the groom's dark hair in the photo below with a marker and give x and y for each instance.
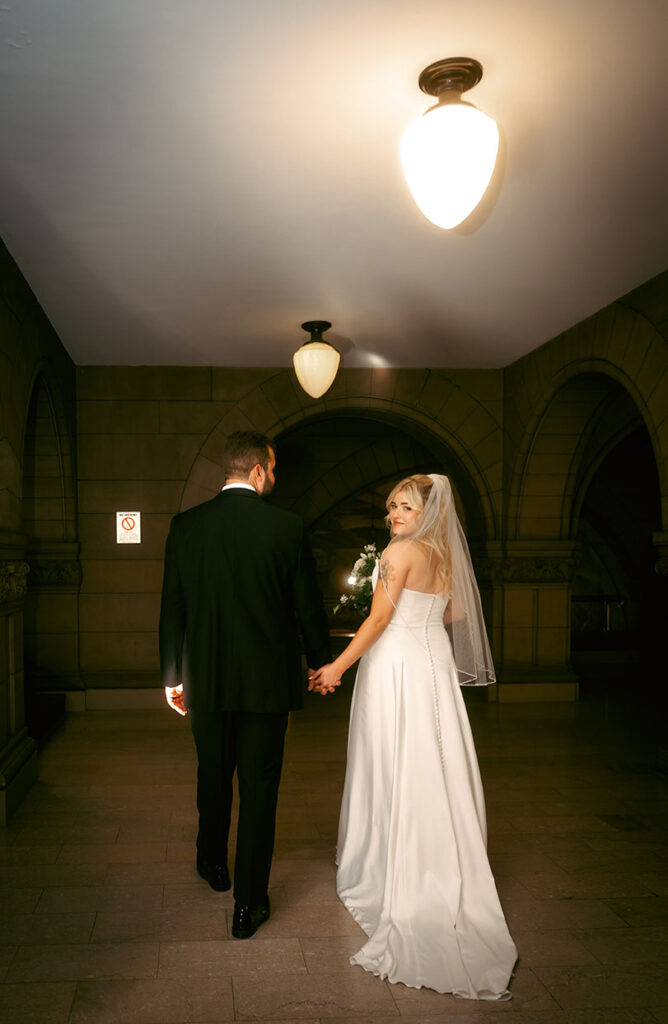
(245, 449)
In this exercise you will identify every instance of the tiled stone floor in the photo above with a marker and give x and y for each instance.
(103, 918)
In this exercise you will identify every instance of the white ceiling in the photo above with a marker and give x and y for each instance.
(185, 182)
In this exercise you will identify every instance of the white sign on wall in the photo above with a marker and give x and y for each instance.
(128, 527)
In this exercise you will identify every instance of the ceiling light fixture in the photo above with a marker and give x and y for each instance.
(316, 362)
(450, 152)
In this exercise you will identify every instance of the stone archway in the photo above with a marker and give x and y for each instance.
(431, 406)
(571, 405)
(617, 347)
(335, 470)
(463, 454)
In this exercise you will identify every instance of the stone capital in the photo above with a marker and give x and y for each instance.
(55, 572)
(13, 580)
(527, 562)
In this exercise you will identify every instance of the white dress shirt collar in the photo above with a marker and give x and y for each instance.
(247, 487)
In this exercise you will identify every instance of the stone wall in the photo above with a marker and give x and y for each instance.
(521, 445)
(37, 515)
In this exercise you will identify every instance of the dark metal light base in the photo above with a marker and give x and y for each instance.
(316, 328)
(455, 75)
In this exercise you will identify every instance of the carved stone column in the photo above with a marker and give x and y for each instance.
(18, 754)
(530, 584)
(660, 540)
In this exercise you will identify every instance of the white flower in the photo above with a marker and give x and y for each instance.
(344, 598)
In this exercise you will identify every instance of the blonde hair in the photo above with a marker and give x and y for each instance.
(417, 489)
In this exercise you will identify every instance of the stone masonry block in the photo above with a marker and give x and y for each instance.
(132, 457)
(111, 576)
(116, 417)
(144, 382)
(123, 652)
(104, 496)
(191, 417)
(518, 605)
(230, 383)
(111, 613)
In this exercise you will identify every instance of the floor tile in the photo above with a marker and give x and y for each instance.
(174, 924)
(627, 947)
(63, 899)
(532, 915)
(152, 874)
(56, 834)
(584, 886)
(177, 1000)
(72, 963)
(309, 920)
(285, 870)
(182, 851)
(36, 1004)
(307, 891)
(30, 875)
(43, 929)
(527, 991)
(601, 986)
(18, 901)
(199, 894)
(28, 854)
(642, 912)
(255, 956)
(554, 948)
(469, 1012)
(330, 955)
(6, 957)
(352, 993)
(113, 853)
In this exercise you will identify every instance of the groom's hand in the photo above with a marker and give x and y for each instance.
(174, 697)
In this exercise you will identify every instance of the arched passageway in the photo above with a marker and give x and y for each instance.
(336, 471)
(617, 601)
(582, 512)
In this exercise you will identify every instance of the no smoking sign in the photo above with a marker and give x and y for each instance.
(128, 527)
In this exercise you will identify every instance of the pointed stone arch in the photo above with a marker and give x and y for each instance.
(559, 396)
(432, 404)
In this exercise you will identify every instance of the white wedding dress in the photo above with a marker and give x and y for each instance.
(412, 857)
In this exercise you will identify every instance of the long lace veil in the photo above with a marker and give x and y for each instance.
(464, 619)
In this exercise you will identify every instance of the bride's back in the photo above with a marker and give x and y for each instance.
(423, 568)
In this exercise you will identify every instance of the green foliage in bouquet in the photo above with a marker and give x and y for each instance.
(359, 600)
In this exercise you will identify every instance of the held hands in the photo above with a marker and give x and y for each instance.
(324, 679)
(174, 697)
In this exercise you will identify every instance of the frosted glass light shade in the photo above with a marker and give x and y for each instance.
(316, 364)
(448, 157)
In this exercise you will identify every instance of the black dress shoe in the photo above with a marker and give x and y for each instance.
(216, 875)
(247, 920)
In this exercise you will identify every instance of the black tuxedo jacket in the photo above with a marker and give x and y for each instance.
(239, 579)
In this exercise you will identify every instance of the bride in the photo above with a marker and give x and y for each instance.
(412, 857)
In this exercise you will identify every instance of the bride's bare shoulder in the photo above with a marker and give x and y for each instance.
(402, 552)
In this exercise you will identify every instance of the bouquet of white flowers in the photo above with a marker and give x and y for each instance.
(360, 581)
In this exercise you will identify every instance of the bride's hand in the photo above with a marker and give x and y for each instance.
(325, 680)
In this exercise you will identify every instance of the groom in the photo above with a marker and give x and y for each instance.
(239, 576)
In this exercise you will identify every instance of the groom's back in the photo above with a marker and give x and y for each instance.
(242, 578)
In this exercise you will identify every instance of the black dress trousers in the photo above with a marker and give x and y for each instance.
(252, 743)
